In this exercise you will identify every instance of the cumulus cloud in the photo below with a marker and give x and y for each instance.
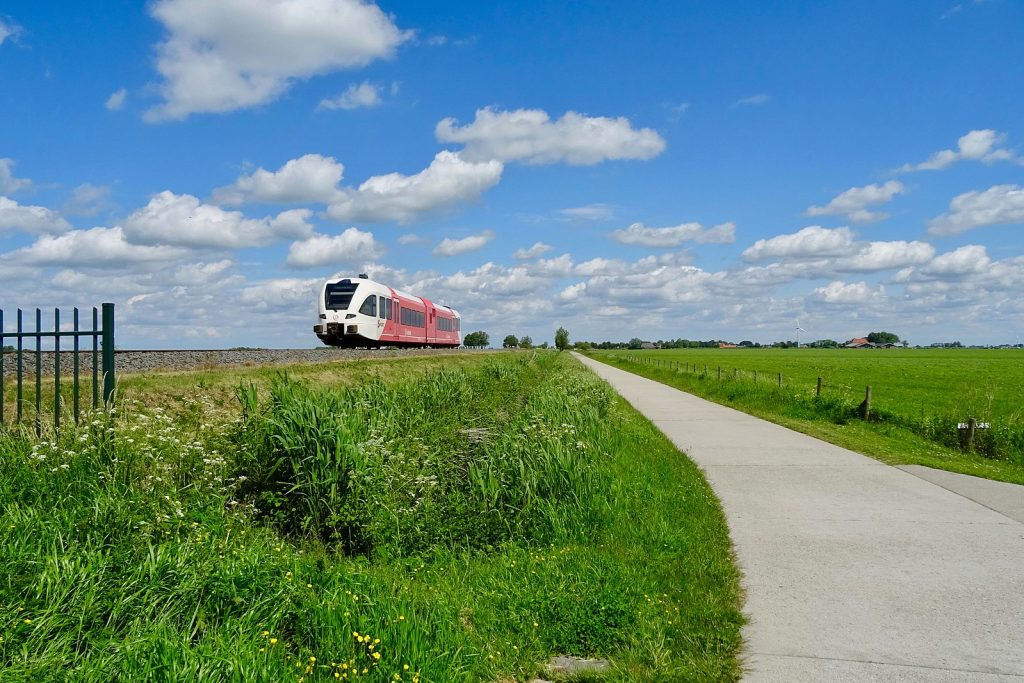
(977, 145)
(232, 54)
(116, 100)
(96, 247)
(448, 180)
(309, 178)
(183, 220)
(351, 246)
(875, 256)
(811, 242)
(854, 203)
(996, 205)
(529, 135)
(966, 260)
(853, 293)
(410, 238)
(363, 95)
(454, 247)
(588, 213)
(8, 183)
(30, 219)
(280, 293)
(638, 233)
(538, 249)
(202, 273)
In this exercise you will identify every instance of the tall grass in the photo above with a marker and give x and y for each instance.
(460, 526)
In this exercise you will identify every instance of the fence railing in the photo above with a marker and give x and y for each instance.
(100, 360)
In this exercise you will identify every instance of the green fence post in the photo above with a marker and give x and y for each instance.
(56, 370)
(108, 355)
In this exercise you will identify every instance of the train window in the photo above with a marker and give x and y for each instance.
(458, 324)
(338, 296)
(369, 306)
(382, 309)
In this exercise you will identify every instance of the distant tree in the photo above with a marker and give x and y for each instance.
(824, 344)
(883, 338)
(543, 345)
(9, 349)
(905, 343)
(584, 345)
(478, 338)
(636, 343)
(525, 342)
(746, 343)
(510, 342)
(562, 338)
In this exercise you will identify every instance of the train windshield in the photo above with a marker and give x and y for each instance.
(338, 296)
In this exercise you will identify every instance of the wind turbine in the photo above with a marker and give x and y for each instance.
(798, 331)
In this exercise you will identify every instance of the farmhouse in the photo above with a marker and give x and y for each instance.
(858, 343)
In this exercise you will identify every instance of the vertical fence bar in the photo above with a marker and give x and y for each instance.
(817, 392)
(75, 363)
(20, 364)
(39, 371)
(95, 358)
(56, 370)
(108, 355)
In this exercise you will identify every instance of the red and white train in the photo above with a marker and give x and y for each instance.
(360, 312)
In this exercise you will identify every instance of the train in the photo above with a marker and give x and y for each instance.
(359, 312)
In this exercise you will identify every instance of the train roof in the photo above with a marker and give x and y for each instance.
(399, 292)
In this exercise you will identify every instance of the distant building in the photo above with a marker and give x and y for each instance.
(723, 345)
(858, 343)
(649, 345)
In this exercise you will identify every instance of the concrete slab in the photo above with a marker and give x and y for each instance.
(853, 570)
(1005, 498)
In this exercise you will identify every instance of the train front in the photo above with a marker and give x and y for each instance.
(335, 299)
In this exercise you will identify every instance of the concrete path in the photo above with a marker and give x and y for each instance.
(853, 570)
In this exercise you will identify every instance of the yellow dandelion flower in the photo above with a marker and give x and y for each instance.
(273, 641)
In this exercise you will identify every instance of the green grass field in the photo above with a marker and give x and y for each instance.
(918, 397)
(455, 519)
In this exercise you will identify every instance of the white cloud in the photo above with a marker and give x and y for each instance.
(573, 292)
(116, 100)
(410, 238)
(362, 95)
(350, 247)
(966, 260)
(395, 197)
(95, 247)
(753, 100)
(996, 205)
(876, 256)
(853, 293)
(282, 293)
(538, 249)
(184, 220)
(231, 54)
(309, 178)
(638, 233)
(531, 136)
(454, 247)
(811, 242)
(30, 219)
(853, 202)
(8, 183)
(87, 200)
(977, 145)
(201, 273)
(8, 30)
(590, 212)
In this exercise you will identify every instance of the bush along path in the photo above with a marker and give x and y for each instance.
(462, 526)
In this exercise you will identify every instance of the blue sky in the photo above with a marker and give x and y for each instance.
(657, 169)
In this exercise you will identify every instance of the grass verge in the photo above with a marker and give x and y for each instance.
(456, 522)
(887, 437)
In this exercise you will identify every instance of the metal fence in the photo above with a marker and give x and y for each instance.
(102, 337)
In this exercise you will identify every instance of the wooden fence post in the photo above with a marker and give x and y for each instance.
(817, 393)
(972, 425)
(719, 373)
(865, 407)
(780, 379)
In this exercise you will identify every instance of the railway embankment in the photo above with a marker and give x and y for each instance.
(129, 361)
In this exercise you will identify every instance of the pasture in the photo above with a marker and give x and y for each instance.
(418, 519)
(918, 397)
